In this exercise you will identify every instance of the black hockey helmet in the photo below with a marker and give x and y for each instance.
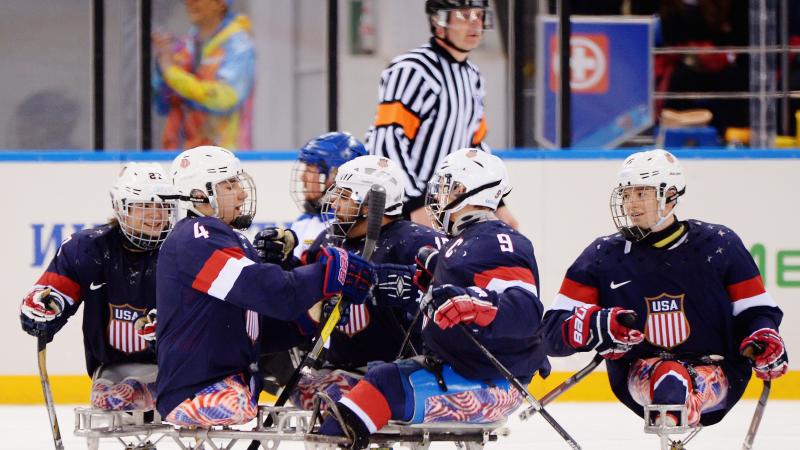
(434, 6)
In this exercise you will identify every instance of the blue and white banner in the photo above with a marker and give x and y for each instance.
(611, 80)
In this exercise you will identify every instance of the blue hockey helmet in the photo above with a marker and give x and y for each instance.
(314, 170)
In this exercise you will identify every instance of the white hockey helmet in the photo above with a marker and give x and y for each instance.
(657, 169)
(197, 173)
(354, 179)
(144, 203)
(468, 176)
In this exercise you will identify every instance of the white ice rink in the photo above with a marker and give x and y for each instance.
(600, 426)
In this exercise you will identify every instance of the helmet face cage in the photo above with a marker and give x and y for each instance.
(145, 224)
(438, 198)
(308, 185)
(627, 199)
(227, 197)
(341, 209)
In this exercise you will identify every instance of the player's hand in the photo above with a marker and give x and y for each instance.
(145, 325)
(606, 330)
(42, 305)
(426, 260)
(766, 350)
(450, 305)
(347, 274)
(275, 244)
(394, 288)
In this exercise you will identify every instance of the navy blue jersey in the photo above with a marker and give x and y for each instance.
(116, 285)
(493, 256)
(699, 296)
(211, 293)
(374, 333)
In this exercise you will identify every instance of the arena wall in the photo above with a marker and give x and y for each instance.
(560, 198)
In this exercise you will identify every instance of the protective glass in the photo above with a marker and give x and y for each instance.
(465, 17)
(341, 209)
(146, 224)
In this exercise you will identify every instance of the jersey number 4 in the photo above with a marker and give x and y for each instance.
(200, 231)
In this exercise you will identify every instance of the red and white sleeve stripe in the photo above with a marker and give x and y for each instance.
(64, 285)
(221, 271)
(749, 293)
(573, 294)
(501, 278)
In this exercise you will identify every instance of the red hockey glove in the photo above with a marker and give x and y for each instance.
(145, 326)
(450, 305)
(600, 329)
(42, 305)
(769, 357)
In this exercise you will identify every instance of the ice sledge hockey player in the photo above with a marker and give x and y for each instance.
(213, 294)
(111, 270)
(486, 277)
(696, 293)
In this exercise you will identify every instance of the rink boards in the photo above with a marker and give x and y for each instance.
(560, 199)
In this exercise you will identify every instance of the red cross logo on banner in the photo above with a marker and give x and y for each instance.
(588, 60)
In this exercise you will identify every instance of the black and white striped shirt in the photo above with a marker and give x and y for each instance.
(429, 106)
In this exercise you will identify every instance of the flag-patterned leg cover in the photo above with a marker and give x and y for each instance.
(335, 384)
(127, 395)
(655, 381)
(226, 402)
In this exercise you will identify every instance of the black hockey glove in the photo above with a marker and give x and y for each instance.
(275, 244)
(395, 288)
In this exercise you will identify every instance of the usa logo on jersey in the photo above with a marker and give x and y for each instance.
(121, 333)
(666, 326)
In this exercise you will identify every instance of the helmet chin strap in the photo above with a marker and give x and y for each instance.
(447, 41)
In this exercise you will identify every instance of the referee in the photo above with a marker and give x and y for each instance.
(431, 100)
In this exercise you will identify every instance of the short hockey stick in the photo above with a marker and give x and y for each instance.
(522, 390)
(376, 201)
(41, 346)
(627, 319)
(751, 351)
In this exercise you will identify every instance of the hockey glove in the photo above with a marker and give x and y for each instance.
(594, 328)
(769, 360)
(395, 288)
(347, 274)
(145, 326)
(426, 260)
(275, 244)
(450, 305)
(42, 305)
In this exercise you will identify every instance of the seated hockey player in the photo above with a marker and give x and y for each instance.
(486, 278)
(111, 270)
(313, 173)
(213, 296)
(696, 293)
(377, 329)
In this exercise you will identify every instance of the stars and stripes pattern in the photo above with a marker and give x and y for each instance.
(335, 384)
(121, 331)
(359, 320)
(128, 395)
(749, 293)
(251, 320)
(476, 406)
(666, 325)
(429, 106)
(227, 402)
